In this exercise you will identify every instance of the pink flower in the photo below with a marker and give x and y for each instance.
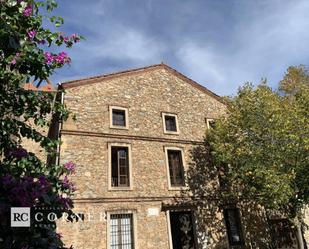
(13, 62)
(28, 10)
(67, 184)
(75, 38)
(70, 166)
(31, 34)
(49, 58)
(62, 58)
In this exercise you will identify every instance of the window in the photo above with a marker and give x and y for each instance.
(120, 166)
(210, 123)
(233, 226)
(121, 232)
(170, 124)
(175, 168)
(118, 117)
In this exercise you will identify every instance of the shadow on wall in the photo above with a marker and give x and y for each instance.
(211, 198)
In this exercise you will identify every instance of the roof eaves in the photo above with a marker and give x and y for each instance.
(94, 79)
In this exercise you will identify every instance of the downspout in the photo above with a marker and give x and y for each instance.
(60, 124)
(299, 235)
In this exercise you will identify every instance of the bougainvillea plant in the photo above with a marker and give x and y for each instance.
(26, 55)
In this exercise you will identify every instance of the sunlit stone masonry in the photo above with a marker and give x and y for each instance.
(131, 144)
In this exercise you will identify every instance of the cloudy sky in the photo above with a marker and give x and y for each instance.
(219, 43)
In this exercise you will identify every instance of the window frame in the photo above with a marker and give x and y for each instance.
(170, 187)
(208, 120)
(119, 108)
(134, 225)
(239, 225)
(110, 187)
(164, 126)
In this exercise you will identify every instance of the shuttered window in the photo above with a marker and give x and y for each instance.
(120, 167)
(176, 171)
(121, 231)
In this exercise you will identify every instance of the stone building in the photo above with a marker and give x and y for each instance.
(131, 142)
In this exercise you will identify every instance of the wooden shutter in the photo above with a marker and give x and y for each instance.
(175, 168)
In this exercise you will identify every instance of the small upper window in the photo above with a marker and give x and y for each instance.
(210, 123)
(118, 117)
(170, 123)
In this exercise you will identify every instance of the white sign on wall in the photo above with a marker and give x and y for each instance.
(153, 212)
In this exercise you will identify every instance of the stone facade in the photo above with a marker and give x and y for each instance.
(146, 93)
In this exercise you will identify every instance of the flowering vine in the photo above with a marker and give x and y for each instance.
(27, 54)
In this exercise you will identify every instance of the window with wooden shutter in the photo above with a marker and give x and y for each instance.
(176, 171)
(120, 167)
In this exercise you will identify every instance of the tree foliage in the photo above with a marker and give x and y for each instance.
(25, 180)
(263, 142)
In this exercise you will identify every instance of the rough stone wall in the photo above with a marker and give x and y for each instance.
(85, 142)
(149, 170)
(146, 95)
(151, 231)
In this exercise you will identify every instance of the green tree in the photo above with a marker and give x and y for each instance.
(263, 142)
(26, 181)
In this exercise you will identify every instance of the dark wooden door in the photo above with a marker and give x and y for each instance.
(182, 230)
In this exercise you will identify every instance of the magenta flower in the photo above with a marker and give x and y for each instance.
(31, 34)
(75, 38)
(62, 58)
(28, 10)
(70, 166)
(68, 185)
(49, 58)
(13, 62)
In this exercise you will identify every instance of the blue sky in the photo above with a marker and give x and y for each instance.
(219, 43)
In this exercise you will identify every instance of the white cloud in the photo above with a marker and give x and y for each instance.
(202, 63)
(220, 44)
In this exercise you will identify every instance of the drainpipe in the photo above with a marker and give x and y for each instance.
(299, 236)
(58, 133)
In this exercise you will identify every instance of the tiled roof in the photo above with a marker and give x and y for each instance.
(46, 88)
